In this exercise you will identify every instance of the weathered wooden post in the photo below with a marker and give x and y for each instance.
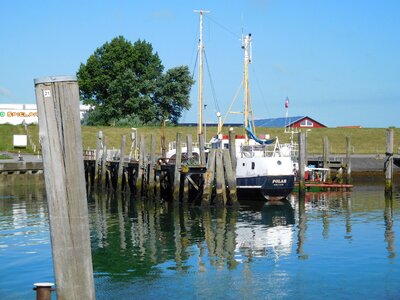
(99, 161)
(189, 148)
(104, 158)
(201, 149)
(177, 174)
(232, 149)
(152, 165)
(209, 179)
(389, 161)
(121, 162)
(220, 180)
(348, 159)
(61, 141)
(302, 163)
(230, 177)
(326, 155)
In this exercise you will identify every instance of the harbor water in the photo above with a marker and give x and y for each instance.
(330, 245)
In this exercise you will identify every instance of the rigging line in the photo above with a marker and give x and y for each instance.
(195, 64)
(223, 27)
(211, 84)
(233, 101)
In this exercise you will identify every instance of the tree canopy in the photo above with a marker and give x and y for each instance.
(125, 84)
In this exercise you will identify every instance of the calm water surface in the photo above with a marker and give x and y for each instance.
(338, 245)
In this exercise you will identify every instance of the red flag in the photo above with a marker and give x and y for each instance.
(287, 103)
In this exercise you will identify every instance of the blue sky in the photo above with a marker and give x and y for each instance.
(337, 61)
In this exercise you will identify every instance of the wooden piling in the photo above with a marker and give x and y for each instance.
(121, 162)
(189, 148)
(232, 149)
(221, 198)
(326, 155)
(348, 159)
(230, 177)
(389, 161)
(177, 174)
(209, 179)
(302, 163)
(99, 162)
(61, 141)
(141, 166)
(152, 165)
(202, 157)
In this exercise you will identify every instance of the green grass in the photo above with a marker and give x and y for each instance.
(363, 140)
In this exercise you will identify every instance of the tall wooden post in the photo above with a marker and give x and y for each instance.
(177, 174)
(189, 148)
(61, 141)
(348, 159)
(152, 165)
(202, 149)
(389, 161)
(302, 163)
(99, 160)
(121, 162)
(232, 149)
(326, 154)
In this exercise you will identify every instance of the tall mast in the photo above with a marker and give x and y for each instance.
(246, 45)
(201, 52)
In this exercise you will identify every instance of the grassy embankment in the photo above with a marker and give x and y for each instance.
(363, 140)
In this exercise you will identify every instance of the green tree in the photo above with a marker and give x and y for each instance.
(125, 84)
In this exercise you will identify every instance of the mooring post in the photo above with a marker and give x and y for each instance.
(189, 148)
(104, 160)
(232, 148)
(99, 161)
(60, 136)
(389, 161)
(152, 165)
(326, 155)
(348, 159)
(220, 177)
(121, 163)
(302, 163)
(202, 149)
(230, 177)
(177, 174)
(209, 179)
(43, 290)
(141, 165)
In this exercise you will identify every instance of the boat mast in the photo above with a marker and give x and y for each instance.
(246, 45)
(201, 52)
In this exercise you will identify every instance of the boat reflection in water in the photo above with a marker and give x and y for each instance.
(270, 233)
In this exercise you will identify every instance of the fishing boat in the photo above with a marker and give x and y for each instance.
(264, 166)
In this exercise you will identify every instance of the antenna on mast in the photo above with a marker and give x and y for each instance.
(201, 51)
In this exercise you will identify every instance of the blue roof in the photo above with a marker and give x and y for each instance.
(277, 122)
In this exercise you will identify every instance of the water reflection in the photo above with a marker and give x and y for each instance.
(139, 235)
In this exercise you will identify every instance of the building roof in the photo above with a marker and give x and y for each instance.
(282, 122)
(277, 122)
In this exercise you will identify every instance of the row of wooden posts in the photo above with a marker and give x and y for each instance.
(181, 178)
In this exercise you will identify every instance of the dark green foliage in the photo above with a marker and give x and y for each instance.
(125, 84)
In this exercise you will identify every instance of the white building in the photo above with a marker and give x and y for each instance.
(17, 114)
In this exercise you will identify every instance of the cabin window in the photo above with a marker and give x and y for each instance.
(253, 165)
(226, 146)
(306, 123)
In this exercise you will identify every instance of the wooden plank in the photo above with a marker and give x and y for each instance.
(202, 150)
(121, 162)
(61, 141)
